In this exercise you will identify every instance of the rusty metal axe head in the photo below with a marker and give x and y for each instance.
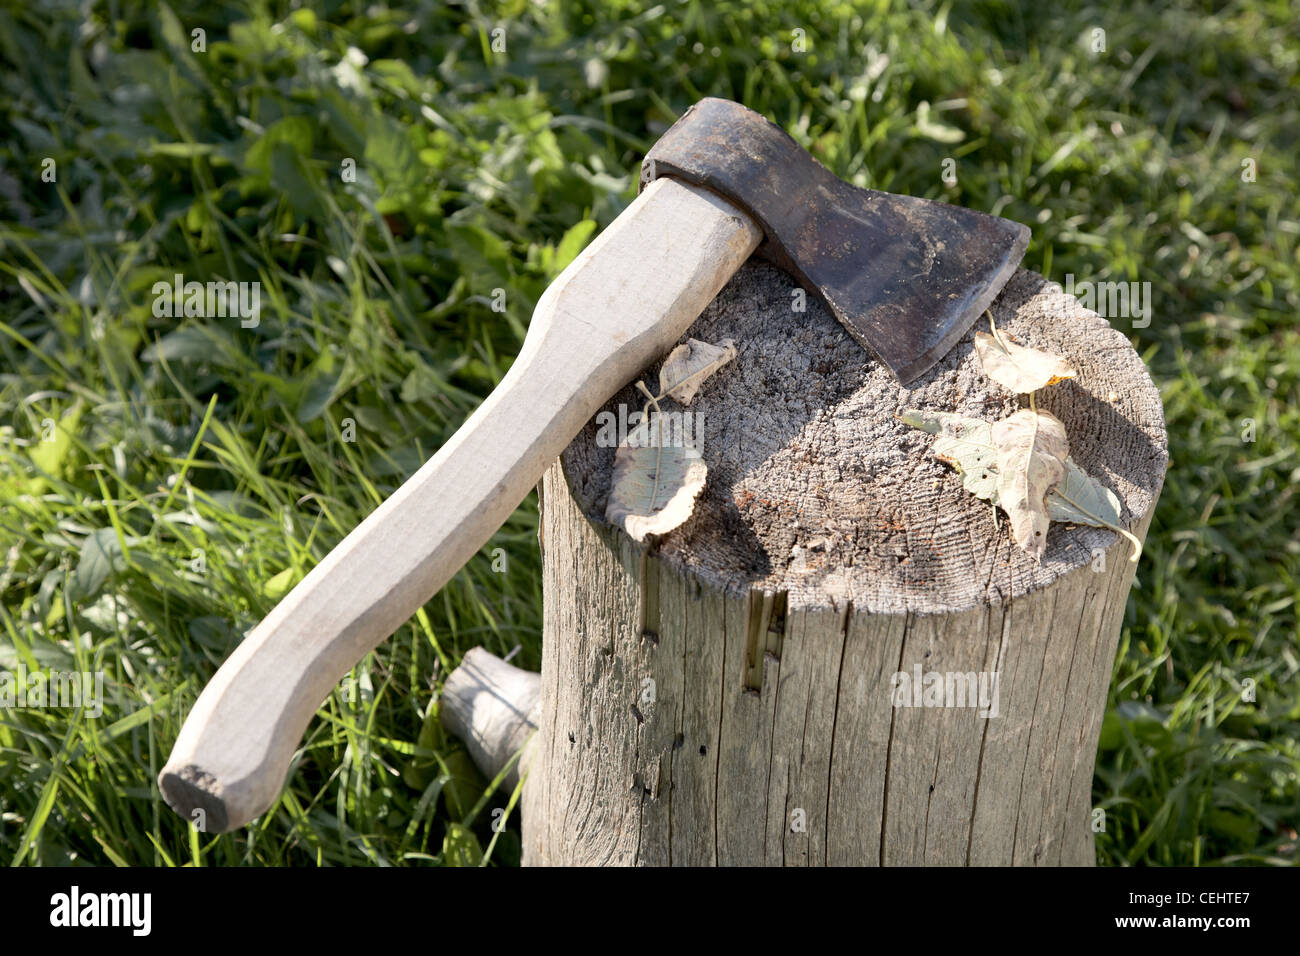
(905, 276)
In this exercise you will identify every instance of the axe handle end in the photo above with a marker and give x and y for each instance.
(622, 303)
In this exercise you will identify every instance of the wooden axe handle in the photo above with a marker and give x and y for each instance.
(621, 304)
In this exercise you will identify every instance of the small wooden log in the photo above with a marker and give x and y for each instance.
(492, 707)
(727, 695)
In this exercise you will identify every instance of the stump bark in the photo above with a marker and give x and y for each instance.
(728, 694)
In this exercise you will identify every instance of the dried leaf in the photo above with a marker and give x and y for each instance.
(966, 444)
(931, 422)
(1032, 449)
(689, 365)
(656, 480)
(1019, 368)
(1082, 499)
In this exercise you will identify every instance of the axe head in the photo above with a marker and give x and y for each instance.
(907, 277)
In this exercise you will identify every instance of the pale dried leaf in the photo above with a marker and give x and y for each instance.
(1031, 449)
(931, 422)
(965, 443)
(1019, 368)
(1082, 499)
(689, 365)
(655, 482)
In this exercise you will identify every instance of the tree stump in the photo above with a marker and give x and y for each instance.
(726, 695)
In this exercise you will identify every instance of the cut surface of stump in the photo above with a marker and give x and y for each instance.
(729, 692)
(815, 487)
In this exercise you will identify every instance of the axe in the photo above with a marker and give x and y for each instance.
(905, 276)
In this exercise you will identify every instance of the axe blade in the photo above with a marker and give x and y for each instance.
(905, 276)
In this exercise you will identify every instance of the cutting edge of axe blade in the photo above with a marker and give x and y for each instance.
(906, 277)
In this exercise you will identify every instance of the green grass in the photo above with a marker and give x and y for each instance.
(163, 482)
